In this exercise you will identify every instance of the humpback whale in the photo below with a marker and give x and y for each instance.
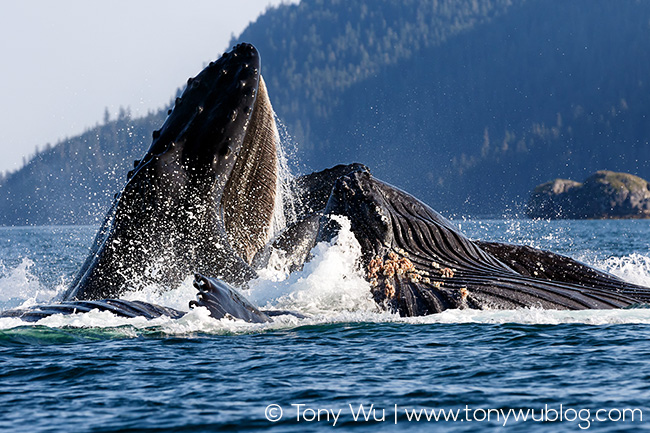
(202, 199)
(418, 263)
(221, 300)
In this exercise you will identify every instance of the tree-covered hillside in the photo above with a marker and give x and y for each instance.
(472, 103)
(468, 104)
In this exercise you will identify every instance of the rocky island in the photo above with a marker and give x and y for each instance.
(603, 195)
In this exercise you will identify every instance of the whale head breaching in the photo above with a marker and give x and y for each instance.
(202, 198)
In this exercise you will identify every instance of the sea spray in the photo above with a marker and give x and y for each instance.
(330, 289)
(20, 287)
(634, 268)
(285, 205)
(177, 297)
(331, 282)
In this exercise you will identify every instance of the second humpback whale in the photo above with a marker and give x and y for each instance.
(202, 201)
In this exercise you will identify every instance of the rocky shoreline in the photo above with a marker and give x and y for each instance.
(603, 195)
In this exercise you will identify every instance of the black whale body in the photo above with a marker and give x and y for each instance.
(221, 299)
(202, 199)
(418, 263)
(174, 207)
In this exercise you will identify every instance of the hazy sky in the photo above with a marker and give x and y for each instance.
(64, 61)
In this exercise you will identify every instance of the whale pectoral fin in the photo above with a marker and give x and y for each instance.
(223, 301)
(546, 265)
(119, 307)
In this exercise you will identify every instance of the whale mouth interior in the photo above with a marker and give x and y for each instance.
(248, 200)
(224, 140)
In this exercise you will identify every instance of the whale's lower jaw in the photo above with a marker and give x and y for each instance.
(119, 307)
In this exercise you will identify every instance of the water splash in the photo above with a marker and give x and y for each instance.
(285, 211)
(330, 283)
(534, 316)
(634, 268)
(20, 287)
(330, 289)
(177, 298)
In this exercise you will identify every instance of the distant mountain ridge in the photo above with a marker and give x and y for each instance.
(467, 104)
(472, 122)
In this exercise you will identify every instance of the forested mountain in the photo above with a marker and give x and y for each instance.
(467, 104)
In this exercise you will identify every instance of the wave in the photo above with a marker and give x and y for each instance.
(99, 326)
(634, 268)
(19, 286)
(330, 289)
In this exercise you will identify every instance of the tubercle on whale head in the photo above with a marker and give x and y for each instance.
(375, 210)
(375, 207)
(204, 132)
(362, 200)
(219, 142)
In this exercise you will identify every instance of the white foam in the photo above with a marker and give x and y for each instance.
(330, 283)
(534, 316)
(634, 268)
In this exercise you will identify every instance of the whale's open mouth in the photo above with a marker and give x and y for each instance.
(222, 136)
(202, 198)
(202, 201)
(248, 200)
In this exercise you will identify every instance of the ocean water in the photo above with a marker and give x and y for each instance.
(348, 366)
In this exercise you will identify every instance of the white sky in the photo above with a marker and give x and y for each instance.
(64, 61)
